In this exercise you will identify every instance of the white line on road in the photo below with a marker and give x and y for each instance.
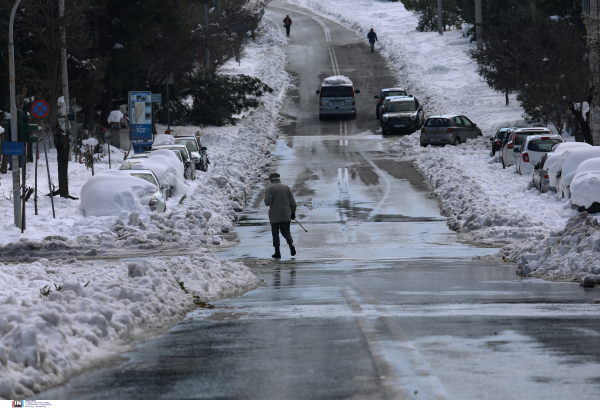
(382, 175)
(337, 67)
(346, 141)
(327, 34)
(341, 128)
(336, 71)
(346, 130)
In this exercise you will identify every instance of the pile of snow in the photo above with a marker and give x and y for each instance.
(570, 160)
(115, 117)
(45, 339)
(585, 185)
(92, 142)
(164, 139)
(111, 192)
(167, 168)
(337, 80)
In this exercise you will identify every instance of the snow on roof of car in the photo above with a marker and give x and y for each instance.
(442, 116)
(545, 129)
(392, 89)
(337, 80)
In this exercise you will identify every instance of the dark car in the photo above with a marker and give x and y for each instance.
(404, 114)
(499, 139)
(385, 93)
(448, 129)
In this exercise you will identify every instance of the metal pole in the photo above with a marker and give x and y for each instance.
(13, 116)
(108, 148)
(23, 194)
(206, 27)
(64, 73)
(168, 108)
(478, 27)
(48, 169)
(37, 153)
(440, 18)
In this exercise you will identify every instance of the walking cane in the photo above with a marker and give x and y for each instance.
(300, 225)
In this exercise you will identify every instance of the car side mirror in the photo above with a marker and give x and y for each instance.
(473, 124)
(376, 97)
(356, 91)
(204, 148)
(517, 150)
(491, 139)
(164, 185)
(317, 92)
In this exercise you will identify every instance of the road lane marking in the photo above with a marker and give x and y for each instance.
(341, 142)
(333, 62)
(337, 66)
(341, 128)
(382, 175)
(327, 34)
(346, 130)
(346, 141)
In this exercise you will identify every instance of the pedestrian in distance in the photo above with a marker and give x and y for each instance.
(372, 38)
(282, 210)
(287, 23)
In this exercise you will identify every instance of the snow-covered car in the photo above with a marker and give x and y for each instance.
(111, 192)
(498, 139)
(517, 138)
(149, 175)
(553, 164)
(166, 167)
(129, 163)
(192, 144)
(585, 186)
(402, 114)
(336, 97)
(448, 129)
(532, 151)
(189, 170)
(569, 161)
(540, 175)
(385, 93)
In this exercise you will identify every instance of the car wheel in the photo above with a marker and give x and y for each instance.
(384, 130)
(456, 141)
(354, 116)
(423, 144)
(320, 117)
(377, 113)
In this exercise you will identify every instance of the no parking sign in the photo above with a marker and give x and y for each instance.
(40, 109)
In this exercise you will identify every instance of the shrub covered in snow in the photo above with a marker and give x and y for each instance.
(111, 192)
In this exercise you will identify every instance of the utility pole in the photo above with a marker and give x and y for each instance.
(206, 27)
(64, 73)
(478, 22)
(440, 18)
(13, 117)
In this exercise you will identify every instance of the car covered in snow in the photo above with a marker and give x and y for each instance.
(567, 168)
(532, 151)
(111, 192)
(189, 171)
(448, 129)
(404, 114)
(387, 92)
(132, 161)
(540, 177)
(149, 176)
(167, 168)
(585, 186)
(516, 138)
(337, 97)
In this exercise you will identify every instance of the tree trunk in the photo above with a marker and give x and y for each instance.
(61, 141)
(106, 104)
(506, 94)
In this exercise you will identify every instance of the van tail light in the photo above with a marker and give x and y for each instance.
(450, 130)
(546, 176)
(352, 89)
(545, 138)
(526, 157)
(353, 101)
(422, 130)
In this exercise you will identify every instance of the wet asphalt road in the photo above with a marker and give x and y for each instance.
(382, 300)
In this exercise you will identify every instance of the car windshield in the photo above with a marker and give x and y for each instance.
(500, 135)
(394, 93)
(189, 143)
(145, 176)
(521, 136)
(404, 106)
(437, 122)
(542, 145)
(336, 91)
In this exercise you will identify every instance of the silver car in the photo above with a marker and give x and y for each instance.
(448, 129)
(336, 97)
(156, 200)
(192, 144)
(189, 169)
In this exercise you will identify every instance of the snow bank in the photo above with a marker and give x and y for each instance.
(167, 168)
(111, 192)
(164, 139)
(585, 185)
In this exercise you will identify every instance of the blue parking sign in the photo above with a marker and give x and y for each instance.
(13, 148)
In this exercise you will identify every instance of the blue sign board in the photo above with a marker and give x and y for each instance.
(156, 98)
(13, 148)
(140, 115)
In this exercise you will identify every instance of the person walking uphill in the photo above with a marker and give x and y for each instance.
(282, 210)
(287, 22)
(372, 38)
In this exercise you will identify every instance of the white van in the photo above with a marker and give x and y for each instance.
(336, 97)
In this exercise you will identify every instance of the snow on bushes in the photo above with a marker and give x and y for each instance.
(111, 192)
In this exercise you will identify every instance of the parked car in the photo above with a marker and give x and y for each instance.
(517, 138)
(189, 170)
(540, 175)
(149, 176)
(199, 153)
(585, 186)
(403, 114)
(569, 168)
(499, 138)
(385, 93)
(532, 151)
(553, 165)
(448, 129)
(129, 163)
(336, 97)
(384, 105)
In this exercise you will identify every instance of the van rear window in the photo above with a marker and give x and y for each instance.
(521, 136)
(437, 122)
(394, 93)
(336, 91)
(542, 145)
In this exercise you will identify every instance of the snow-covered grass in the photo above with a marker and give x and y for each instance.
(46, 337)
(492, 204)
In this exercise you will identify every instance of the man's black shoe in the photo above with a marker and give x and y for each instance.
(277, 254)
(293, 250)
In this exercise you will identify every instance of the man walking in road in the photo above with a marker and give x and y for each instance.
(282, 210)
(287, 22)
(372, 38)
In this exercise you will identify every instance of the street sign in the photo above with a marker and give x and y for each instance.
(156, 98)
(140, 114)
(13, 148)
(40, 109)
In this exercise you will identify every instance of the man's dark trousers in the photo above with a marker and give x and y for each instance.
(284, 227)
(287, 30)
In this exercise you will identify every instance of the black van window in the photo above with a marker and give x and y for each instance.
(336, 91)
